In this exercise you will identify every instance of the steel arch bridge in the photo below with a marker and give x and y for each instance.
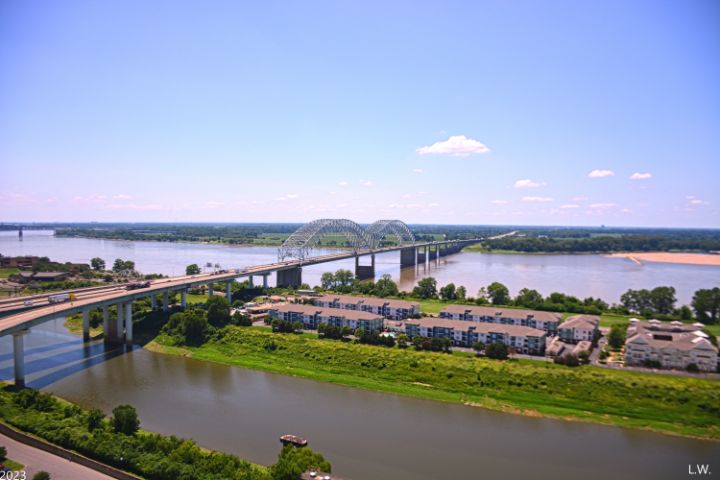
(302, 240)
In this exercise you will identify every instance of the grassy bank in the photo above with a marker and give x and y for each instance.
(674, 405)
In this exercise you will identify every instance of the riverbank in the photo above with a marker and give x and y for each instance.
(670, 257)
(677, 406)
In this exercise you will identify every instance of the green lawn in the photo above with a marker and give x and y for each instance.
(13, 465)
(676, 405)
(6, 272)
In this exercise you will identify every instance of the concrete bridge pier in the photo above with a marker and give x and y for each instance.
(408, 257)
(292, 277)
(364, 272)
(153, 302)
(265, 281)
(183, 298)
(210, 289)
(111, 331)
(128, 323)
(120, 327)
(106, 322)
(86, 324)
(433, 254)
(19, 358)
(251, 282)
(166, 301)
(228, 291)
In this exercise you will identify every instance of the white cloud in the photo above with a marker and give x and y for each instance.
(341, 205)
(693, 200)
(418, 170)
(640, 176)
(602, 206)
(343, 184)
(579, 199)
(433, 205)
(527, 183)
(537, 199)
(212, 204)
(367, 183)
(601, 173)
(122, 196)
(569, 205)
(291, 195)
(457, 146)
(280, 199)
(500, 202)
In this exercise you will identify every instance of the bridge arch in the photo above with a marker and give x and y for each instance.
(384, 228)
(308, 236)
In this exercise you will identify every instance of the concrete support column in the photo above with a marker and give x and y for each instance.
(19, 358)
(166, 300)
(210, 290)
(228, 292)
(252, 281)
(120, 323)
(128, 323)
(364, 272)
(408, 257)
(111, 333)
(183, 298)
(153, 302)
(86, 324)
(106, 321)
(265, 281)
(292, 277)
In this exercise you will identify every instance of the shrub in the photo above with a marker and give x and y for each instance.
(3, 453)
(692, 367)
(497, 350)
(95, 419)
(125, 419)
(41, 475)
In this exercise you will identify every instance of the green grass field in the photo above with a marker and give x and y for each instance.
(13, 465)
(6, 272)
(675, 405)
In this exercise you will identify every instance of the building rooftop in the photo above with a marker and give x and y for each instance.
(479, 327)
(489, 311)
(325, 312)
(665, 335)
(581, 321)
(373, 301)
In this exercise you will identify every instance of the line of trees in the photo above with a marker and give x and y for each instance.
(704, 242)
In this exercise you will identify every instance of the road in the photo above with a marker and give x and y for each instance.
(36, 460)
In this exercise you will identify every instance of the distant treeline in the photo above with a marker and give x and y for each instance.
(677, 240)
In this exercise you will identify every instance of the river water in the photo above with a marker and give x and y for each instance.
(366, 435)
(579, 275)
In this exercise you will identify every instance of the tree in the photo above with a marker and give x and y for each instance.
(616, 337)
(402, 341)
(461, 292)
(706, 304)
(125, 419)
(3, 453)
(385, 287)
(218, 311)
(478, 346)
(426, 288)
(529, 298)
(498, 293)
(192, 269)
(293, 462)
(41, 475)
(327, 280)
(497, 350)
(663, 300)
(637, 301)
(344, 277)
(95, 419)
(448, 292)
(118, 265)
(97, 264)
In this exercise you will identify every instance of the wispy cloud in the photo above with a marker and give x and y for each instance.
(343, 183)
(579, 199)
(291, 195)
(602, 206)
(367, 183)
(500, 202)
(693, 200)
(418, 170)
(640, 176)
(601, 173)
(457, 146)
(527, 183)
(537, 199)
(569, 206)
(122, 196)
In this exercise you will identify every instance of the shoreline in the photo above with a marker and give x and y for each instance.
(683, 258)
(262, 361)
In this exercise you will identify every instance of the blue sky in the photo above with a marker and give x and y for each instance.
(290, 111)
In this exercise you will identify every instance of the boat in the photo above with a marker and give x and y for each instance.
(293, 440)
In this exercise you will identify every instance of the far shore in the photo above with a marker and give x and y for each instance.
(670, 257)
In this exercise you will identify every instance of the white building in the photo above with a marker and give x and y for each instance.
(547, 321)
(672, 345)
(311, 316)
(390, 309)
(579, 328)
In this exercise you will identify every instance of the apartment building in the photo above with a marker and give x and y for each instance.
(312, 316)
(390, 309)
(673, 345)
(521, 339)
(546, 321)
(579, 328)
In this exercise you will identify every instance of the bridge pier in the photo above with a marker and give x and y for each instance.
(433, 254)
(210, 289)
(251, 282)
(228, 291)
(265, 281)
(364, 272)
(120, 327)
(166, 301)
(106, 322)
(408, 257)
(183, 298)
(292, 277)
(128, 323)
(86, 324)
(153, 302)
(19, 358)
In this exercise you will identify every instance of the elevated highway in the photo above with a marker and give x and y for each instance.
(120, 328)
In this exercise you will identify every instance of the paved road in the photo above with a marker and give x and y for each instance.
(36, 460)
